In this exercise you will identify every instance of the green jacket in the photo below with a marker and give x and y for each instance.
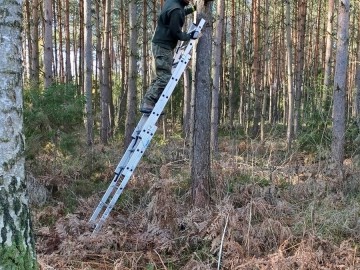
(170, 22)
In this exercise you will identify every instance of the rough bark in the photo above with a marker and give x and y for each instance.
(17, 250)
(48, 43)
(186, 107)
(131, 94)
(216, 75)
(290, 130)
(302, 11)
(256, 67)
(34, 70)
(200, 129)
(341, 66)
(357, 78)
(328, 50)
(105, 85)
(88, 71)
(68, 75)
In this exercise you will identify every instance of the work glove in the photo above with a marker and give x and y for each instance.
(194, 34)
(193, 7)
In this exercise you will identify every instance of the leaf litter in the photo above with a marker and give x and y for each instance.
(283, 213)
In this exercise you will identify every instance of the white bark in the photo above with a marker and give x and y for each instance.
(14, 212)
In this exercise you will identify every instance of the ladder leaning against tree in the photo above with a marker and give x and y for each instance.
(142, 135)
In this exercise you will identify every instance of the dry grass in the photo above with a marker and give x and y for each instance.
(283, 212)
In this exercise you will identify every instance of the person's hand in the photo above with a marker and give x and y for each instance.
(193, 7)
(194, 34)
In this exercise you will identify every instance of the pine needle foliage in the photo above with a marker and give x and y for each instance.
(51, 116)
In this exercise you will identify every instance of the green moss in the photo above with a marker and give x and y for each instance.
(17, 258)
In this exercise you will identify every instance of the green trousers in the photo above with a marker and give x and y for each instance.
(163, 64)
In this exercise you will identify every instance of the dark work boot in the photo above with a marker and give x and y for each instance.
(146, 106)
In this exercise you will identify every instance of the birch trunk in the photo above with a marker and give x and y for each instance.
(17, 249)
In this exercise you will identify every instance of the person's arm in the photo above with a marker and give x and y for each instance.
(175, 26)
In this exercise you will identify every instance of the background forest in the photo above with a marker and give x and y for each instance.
(283, 89)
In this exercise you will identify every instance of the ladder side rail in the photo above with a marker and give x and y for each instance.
(134, 136)
(124, 160)
(148, 125)
(160, 105)
(127, 173)
(104, 199)
(145, 130)
(180, 49)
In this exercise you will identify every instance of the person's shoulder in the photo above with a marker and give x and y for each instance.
(171, 5)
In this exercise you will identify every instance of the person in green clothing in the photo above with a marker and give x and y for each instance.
(167, 33)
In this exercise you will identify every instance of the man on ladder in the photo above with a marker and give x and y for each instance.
(157, 98)
(168, 32)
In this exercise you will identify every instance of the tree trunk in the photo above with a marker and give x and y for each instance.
(55, 40)
(145, 58)
(328, 53)
(357, 79)
(81, 48)
(216, 75)
(27, 27)
(123, 71)
(105, 86)
(200, 149)
(48, 43)
(266, 86)
(315, 59)
(17, 248)
(187, 106)
(68, 75)
(231, 96)
(131, 94)
(88, 71)
(99, 68)
(302, 9)
(35, 66)
(256, 68)
(290, 110)
(61, 28)
(341, 66)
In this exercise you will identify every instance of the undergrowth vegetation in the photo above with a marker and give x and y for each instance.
(52, 117)
(270, 209)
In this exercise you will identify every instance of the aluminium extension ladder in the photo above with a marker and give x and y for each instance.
(142, 135)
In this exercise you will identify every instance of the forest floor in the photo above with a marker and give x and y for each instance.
(270, 209)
